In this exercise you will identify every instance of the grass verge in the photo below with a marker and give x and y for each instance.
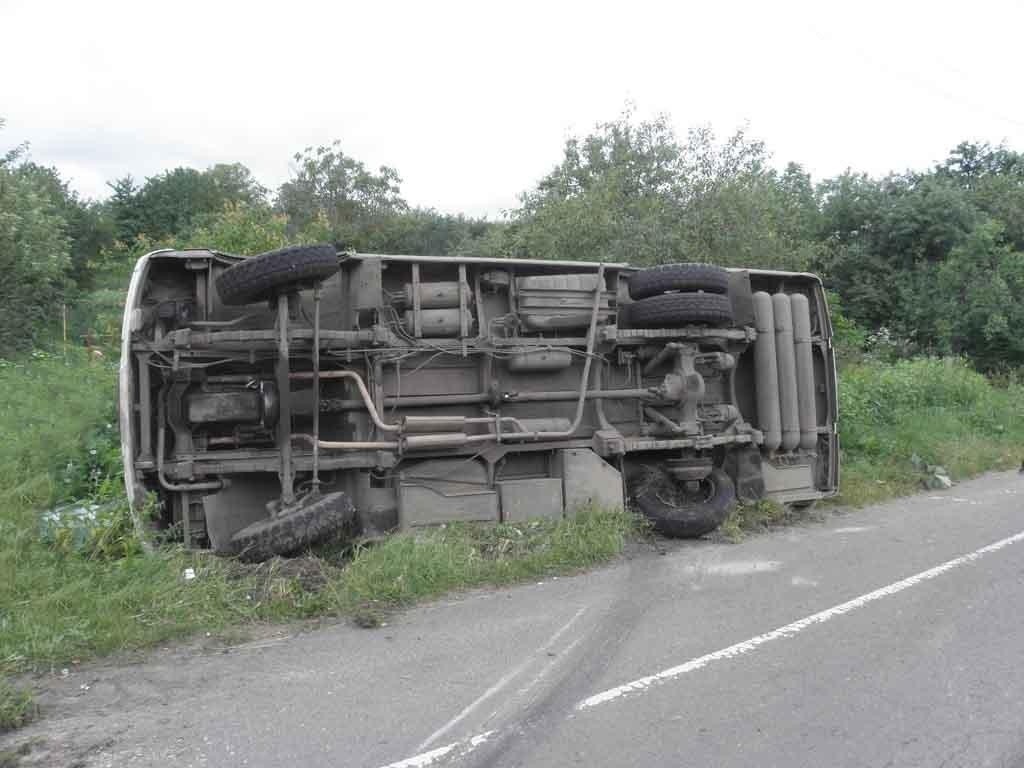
(17, 706)
(66, 607)
(939, 409)
(759, 516)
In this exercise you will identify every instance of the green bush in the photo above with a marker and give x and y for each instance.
(942, 410)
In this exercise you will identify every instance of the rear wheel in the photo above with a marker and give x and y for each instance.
(675, 309)
(680, 512)
(678, 277)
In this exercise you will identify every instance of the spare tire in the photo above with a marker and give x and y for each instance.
(678, 277)
(676, 513)
(293, 529)
(260, 277)
(674, 309)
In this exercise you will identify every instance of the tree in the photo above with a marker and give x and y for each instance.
(240, 228)
(87, 227)
(11, 156)
(34, 258)
(881, 238)
(168, 204)
(994, 176)
(615, 196)
(980, 292)
(355, 202)
(125, 209)
(632, 191)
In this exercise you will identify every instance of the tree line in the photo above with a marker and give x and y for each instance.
(932, 259)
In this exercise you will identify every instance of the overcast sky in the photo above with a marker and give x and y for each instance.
(472, 102)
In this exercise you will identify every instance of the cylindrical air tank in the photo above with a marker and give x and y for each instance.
(804, 371)
(433, 295)
(789, 399)
(766, 372)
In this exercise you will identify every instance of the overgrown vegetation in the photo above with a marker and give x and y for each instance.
(72, 605)
(407, 568)
(759, 516)
(938, 409)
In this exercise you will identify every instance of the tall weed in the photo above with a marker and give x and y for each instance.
(940, 409)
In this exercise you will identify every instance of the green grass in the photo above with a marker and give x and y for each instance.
(52, 414)
(939, 409)
(758, 516)
(17, 706)
(406, 568)
(64, 607)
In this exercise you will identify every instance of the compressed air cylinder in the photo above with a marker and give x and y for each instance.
(804, 371)
(766, 372)
(785, 354)
(433, 295)
(436, 322)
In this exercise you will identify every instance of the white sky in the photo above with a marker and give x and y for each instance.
(472, 102)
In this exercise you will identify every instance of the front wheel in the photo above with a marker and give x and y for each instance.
(261, 277)
(294, 529)
(679, 512)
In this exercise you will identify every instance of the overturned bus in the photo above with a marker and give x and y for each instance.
(273, 400)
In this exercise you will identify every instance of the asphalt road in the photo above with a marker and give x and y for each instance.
(890, 636)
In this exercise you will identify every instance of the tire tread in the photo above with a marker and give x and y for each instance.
(652, 281)
(674, 309)
(259, 277)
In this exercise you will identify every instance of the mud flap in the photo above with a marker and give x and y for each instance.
(743, 465)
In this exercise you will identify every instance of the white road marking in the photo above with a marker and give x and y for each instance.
(739, 649)
(854, 529)
(505, 680)
(459, 748)
(465, 746)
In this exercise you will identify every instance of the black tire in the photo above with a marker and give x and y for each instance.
(661, 499)
(678, 277)
(260, 277)
(293, 530)
(670, 310)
